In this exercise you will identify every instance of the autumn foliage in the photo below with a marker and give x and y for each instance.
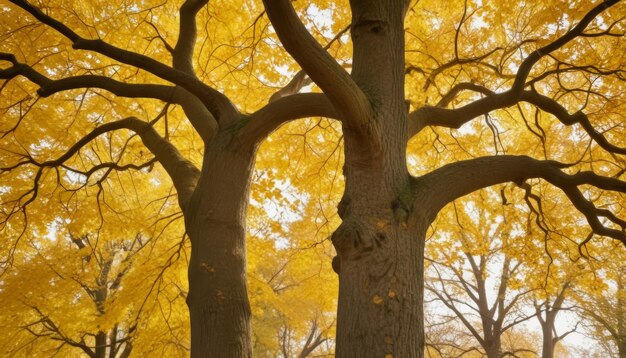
(179, 173)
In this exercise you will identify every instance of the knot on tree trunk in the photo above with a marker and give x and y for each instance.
(355, 240)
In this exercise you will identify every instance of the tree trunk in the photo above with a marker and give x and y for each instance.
(380, 284)
(215, 220)
(492, 343)
(128, 347)
(101, 345)
(548, 340)
(380, 252)
(493, 351)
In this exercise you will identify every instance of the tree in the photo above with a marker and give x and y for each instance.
(601, 305)
(380, 242)
(535, 59)
(546, 312)
(292, 286)
(213, 200)
(80, 296)
(479, 282)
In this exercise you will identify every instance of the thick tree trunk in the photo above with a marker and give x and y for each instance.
(215, 220)
(380, 281)
(380, 253)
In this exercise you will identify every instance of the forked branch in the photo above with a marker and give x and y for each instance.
(350, 102)
(455, 180)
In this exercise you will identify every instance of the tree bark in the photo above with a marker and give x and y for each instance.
(380, 254)
(215, 220)
(492, 349)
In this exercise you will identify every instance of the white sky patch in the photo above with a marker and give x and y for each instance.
(285, 212)
(74, 177)
(323, 20)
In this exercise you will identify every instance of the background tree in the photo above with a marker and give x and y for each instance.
(476, 269)
(601, 301)
(546, 312)
(76, 296)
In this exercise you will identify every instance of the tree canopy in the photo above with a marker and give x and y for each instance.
(239, 156)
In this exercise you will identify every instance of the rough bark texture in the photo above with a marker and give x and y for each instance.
(380, 252)
(216, 221)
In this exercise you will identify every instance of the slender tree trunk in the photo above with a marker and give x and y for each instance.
(101, 345)
(128, 347)
(215, 221)
(548, 339)
(100, 298)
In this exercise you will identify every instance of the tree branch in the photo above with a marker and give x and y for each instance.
(455, 180)
(351, 103)
(301, 79)
(182, 172)
(535, 56)
(183, 51)
(219, 105)
(551, 106)
(454, 118)
(201, 119)
(261, 123)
